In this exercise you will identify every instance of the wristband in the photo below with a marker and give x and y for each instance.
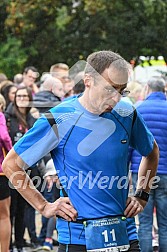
(142, 195)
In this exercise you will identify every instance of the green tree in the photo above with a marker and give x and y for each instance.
(12, 57)
(53, 31)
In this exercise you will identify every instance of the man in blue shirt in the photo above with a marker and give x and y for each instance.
(89, 144)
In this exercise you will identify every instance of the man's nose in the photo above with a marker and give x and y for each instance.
(116, 97)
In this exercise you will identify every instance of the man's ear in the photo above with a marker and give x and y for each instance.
(146, 90)
(87, 80)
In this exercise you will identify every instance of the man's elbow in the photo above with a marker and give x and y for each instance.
(8, 163)
(4, 166)
(156, 149)
(154, 155)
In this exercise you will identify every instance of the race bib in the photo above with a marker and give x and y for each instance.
(106, 234)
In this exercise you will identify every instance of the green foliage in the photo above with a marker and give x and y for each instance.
(12, 57)
(62, 18)
(51, 31)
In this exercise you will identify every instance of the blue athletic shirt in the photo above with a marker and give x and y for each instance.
(90, 155)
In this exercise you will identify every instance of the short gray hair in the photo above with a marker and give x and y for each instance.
(156, 84)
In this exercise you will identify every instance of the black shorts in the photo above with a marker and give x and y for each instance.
(134, 247)
(4, 188)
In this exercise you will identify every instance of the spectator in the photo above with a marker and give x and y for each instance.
(50, 94)
(134, 96)
(5, 83)
(68, 86)
(51, 179)
(3, 77)
(60, 71)
(30, 75)
(79, 86)
(18, 78)
(5, 146)
(19, 120)
(154, 111)
(9, 92)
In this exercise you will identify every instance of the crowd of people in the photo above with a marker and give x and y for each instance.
(22, 101)
(61, 130)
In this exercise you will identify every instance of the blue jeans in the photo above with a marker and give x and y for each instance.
(47, 230)
(158, 199)
(29, 220)
(48, 195)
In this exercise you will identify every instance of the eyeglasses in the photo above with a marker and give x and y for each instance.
(112, 92)
(21, 96)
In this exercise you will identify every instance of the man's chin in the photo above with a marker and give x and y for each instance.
(109, 108)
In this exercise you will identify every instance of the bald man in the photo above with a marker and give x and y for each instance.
(50, 94)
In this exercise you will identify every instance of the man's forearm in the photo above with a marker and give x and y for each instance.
(22, 182)
(148, 169)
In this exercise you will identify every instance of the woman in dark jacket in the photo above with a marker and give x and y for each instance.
(19, 120)
(18, 116)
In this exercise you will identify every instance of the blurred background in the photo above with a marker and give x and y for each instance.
(42, 32)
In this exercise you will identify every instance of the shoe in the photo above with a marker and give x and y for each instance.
(19, 249)
(14, 249)
(35, 246)
(48, 244)
(155, 249)
(26, 244)
(55, 243)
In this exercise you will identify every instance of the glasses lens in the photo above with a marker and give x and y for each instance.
(125, 93)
